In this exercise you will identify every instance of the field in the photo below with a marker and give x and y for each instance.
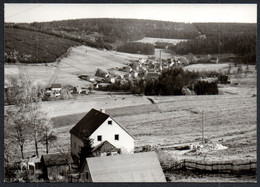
(230, 117)
(208, 67)
(80, 60)
(180, 117)
(164, 40)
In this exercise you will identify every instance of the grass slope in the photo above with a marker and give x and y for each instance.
(38, 47)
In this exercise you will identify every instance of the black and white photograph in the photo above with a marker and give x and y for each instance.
(157, 93)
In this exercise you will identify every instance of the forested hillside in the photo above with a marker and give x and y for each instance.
(33, 47)
(237, 38)
(106, 33)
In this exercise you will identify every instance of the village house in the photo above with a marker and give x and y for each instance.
(101, 85)
(110, 79)
(126, 69)
(138, 167)
(54, 90)
(80, 90)
(100, 127)
(89, 78)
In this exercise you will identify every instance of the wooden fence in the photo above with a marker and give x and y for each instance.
(217, 166)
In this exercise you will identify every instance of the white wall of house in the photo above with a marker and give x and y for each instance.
(75, 145)
(108, 132)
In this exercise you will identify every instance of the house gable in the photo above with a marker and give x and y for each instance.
(114, 134)
(100, 127)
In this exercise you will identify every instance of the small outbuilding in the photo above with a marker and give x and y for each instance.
(55, 165)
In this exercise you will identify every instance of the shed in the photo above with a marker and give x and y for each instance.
(138, 167)
(55, 164)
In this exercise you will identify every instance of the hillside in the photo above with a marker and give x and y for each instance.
(34, 47)
(79, 60)
(46, 41)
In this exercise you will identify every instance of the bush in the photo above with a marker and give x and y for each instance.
(206, 88)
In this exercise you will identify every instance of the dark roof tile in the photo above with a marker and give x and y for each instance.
(89, 123)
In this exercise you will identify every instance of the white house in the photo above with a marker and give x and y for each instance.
(54, 90)
(100, 127)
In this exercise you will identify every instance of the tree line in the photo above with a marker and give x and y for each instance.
(137, 48)
(239, 39)
(173, 81)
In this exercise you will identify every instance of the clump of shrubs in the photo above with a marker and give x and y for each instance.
(206, 88)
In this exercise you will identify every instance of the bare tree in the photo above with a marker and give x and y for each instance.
(48, 135)
(16, 128)
(27, 117)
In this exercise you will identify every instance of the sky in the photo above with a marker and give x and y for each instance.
(27, 13)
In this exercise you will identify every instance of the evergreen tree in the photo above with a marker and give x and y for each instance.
(86, 150)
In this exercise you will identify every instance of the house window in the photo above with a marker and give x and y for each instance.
(99, 138)
(109, 122)
(116, 136)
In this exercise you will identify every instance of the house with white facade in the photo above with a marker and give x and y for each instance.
(100, 127)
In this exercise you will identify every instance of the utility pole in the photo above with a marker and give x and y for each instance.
(202, 126)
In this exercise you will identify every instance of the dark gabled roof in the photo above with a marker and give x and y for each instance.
(105, 146)
(56, 86)
(55, 159)
(89, 123)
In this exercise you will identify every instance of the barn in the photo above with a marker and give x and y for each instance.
(138, 167)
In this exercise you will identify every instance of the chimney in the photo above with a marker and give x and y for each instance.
(102, 110)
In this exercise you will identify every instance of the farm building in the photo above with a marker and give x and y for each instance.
(99, 126)
(80, 90)
(55, 165)
(138, 167)
(126, 69)
(110, 79)
(89, 78)
(54, 90)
